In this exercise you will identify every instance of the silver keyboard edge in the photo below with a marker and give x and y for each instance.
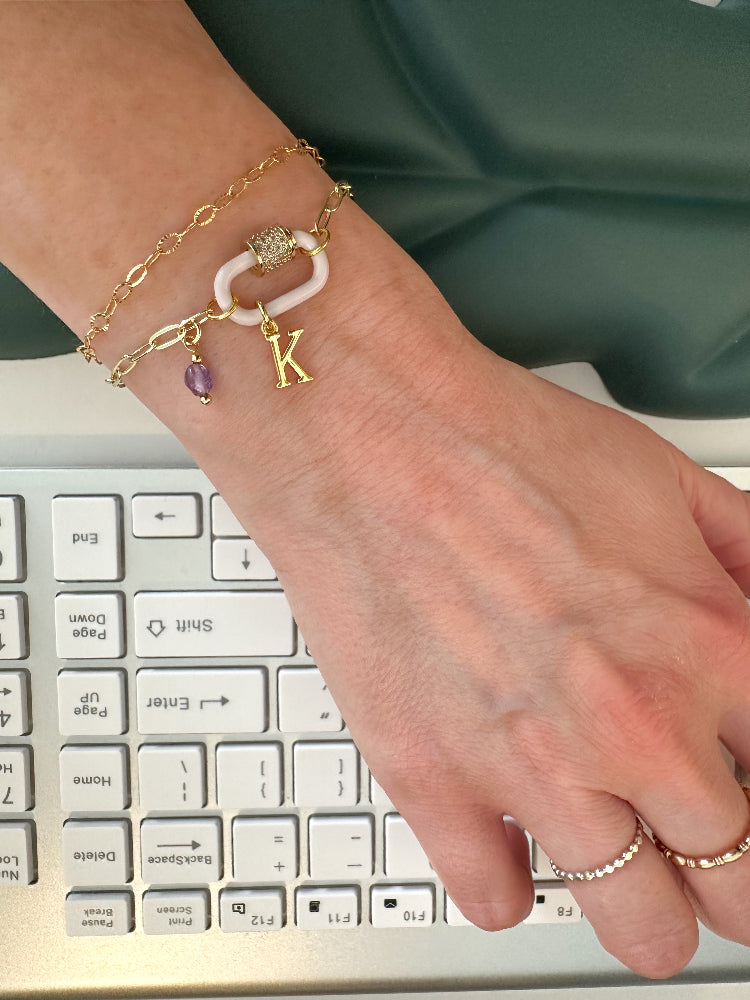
(651, 991)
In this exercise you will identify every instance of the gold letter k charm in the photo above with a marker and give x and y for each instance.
(282, 360)
(271, 333)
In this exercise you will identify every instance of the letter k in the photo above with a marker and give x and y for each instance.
(282, 360)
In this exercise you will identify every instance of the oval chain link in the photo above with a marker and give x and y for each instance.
(127, 363)
(341, 190)
(159, 343)
(187, 332)
(168, 243)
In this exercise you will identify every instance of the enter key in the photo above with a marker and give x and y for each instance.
(191, 700)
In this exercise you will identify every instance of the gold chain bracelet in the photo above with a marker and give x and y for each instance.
(265, 251)
(188, 332)
(203, 216)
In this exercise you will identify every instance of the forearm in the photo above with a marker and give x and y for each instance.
(120, 120)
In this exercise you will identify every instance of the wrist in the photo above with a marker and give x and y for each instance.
(129, 177)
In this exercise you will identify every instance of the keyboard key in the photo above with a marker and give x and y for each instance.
(264, 848)
(175, 515)
(402, 905)
(251, 909)
(181, 850)
(13, 644)
(175, 911)
(453, 916)
(553, 904)
(325, 774)
(340, 847)
(248, 775)
(91, 702)
(404, 855)
(305, 703)
(213, 623)
(191, 700)
(89, 914)
(94, 778)
(86, 538)
(378, 796)
(172, 776)
(223, 522)
(17, 855)
(239, 559)
(327, 908)
(11, 539)
(96, 852)
(541, 869)
(14, 703)
(15, 779)
(89, 626)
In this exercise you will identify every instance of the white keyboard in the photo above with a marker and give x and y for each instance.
(182, 808)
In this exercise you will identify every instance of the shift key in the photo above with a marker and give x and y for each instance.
(191, 700)
(213, 623)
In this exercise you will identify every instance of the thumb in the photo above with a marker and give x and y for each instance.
(722, 514)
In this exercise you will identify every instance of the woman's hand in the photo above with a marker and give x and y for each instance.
(524, 603)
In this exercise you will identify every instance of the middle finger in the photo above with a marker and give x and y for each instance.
(638, 911)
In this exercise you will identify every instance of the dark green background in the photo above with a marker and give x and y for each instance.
(574, 174)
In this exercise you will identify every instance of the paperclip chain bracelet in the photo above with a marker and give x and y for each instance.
(188, 332)
(99, 323)
(265, 251)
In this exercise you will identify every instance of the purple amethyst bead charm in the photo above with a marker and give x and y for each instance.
(199, 381)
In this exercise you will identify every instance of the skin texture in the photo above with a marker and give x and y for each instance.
(524, 603)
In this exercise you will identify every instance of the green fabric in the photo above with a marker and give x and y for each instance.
(574, 174)
(28, 329)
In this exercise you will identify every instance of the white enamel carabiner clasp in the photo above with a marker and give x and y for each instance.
(282, 303)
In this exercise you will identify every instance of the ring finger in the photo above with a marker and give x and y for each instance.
(715, 823)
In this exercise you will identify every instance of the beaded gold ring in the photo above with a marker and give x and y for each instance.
(627, 855)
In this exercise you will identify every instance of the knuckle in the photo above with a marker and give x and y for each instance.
(720, 631)
(642, 713)
(633, 713)
(720, 620)
(647, 724)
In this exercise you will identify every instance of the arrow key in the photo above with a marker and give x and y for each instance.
(239, 559)
(173, 515)
(14, 703)
(181, 851)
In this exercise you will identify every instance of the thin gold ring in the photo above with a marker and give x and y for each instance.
(325, 237)
(726, 858)
(210, 314)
